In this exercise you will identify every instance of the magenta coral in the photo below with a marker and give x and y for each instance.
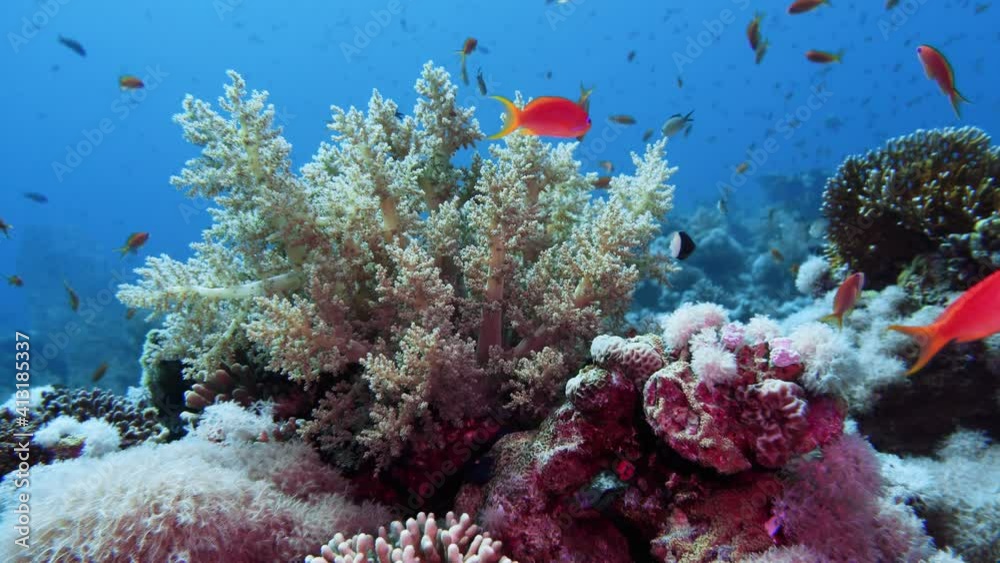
(782, 353)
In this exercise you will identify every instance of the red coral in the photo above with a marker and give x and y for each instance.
(755, 418)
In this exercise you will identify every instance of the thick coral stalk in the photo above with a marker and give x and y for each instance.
(491, 330)
(281, 283)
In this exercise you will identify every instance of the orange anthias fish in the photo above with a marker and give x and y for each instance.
(824, 56)
(548, 116)
(938, 69)
(467, 48)
(846, 297)
(973, 316)
(129, 82)
(803, 6)
(74, 299)
(753, 30)
(133, 243)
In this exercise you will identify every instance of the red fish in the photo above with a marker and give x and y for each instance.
(129, 82)
(548, 116)
(846, 297)
(803, 6)
(133, 243)
(753, 30)
(973, 316)
(939, 70)
(467, 48)
(824, 56)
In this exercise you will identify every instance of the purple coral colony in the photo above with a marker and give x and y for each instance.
(444, 337)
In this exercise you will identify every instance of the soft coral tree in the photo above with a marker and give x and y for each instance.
(417, 294)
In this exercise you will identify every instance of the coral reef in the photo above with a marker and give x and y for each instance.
(911, 198)
(957, 492)
(411, 292)
(624, 470)
(190, 500)
(135, 419)
(423, 538)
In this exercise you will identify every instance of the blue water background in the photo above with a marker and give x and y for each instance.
(311, 54)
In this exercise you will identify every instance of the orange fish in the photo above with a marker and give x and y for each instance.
(74, 299)
(824, 56)
(938, 69)
(133, 243)
(753, 30)
(777, 255)
(129, 82)
(846, 297)
(803, 6)
(129, 313)
(973, 316)
(602, 182)
(607, 166)
(15, 281)
(761, 51)
(548, 116)
(623, 119)
(99, 372)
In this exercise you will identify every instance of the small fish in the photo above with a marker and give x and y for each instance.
(742, 167)
(481, 82)
(753, 30)
(676, 123)
(468, 47)
(846, 297)
(622, 118)
(794, 269)
(129, 313)
(607, 166)
(761, 51)
(15, 281)
(399, 115)
(601, 182)
(548, 75)
(133, 243)
(647, 135)
(631, 56)
(973, 316)
(824, 57)
(5, 228)
(723, 205)
(681, 245)
(130, 82)
(777, 255)
(36, 197)
(73, 45)
(74, 299)
(584, 100)
(680, 82)
(99, 372)
(803, 6)
(548, 116)
(890, 4)
(939, 69)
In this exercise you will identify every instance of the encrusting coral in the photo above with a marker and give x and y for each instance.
(918, 193)
(414, 291)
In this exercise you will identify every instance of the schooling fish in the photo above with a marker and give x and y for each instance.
(99, 372)
(481, 82)
(5, 228)
(824, 56)
(36, 197)
(973, 316)
(74, 299)
(753, 30)
(846, 297)
(939, 70)
(681, 245)
(548, 116)
(73, 45)
(15, 281)
(676, 123)
(468, 47)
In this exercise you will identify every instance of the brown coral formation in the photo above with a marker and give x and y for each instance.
(909, 198)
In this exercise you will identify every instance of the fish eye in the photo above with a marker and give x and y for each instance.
(588, 121)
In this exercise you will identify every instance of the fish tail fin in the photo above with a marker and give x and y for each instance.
(834, 317)
(511, 118)
(929, 340)
(956, 98)
(839, 56)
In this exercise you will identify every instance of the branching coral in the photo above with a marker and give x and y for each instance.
(892, 205)
(444, 283)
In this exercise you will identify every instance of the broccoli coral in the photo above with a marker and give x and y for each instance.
(908, 199)
(411, 290)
